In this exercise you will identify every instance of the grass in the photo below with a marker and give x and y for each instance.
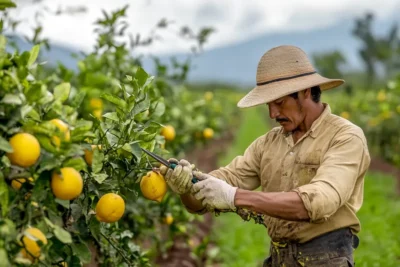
(247, 244)
(242, 243)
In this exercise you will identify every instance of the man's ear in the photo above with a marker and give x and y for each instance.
(307, 93)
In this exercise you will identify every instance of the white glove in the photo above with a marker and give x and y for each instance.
(180, 178)
(213, 192)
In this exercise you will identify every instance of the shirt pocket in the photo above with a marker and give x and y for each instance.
(304, 173)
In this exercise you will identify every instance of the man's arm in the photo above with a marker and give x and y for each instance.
(285, 205)
(346, 161)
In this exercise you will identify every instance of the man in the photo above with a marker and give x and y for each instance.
(311, 169)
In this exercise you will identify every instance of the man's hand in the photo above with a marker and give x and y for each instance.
(213, 192)
(180, 178)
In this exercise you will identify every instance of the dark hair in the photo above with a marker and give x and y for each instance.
(315, 94)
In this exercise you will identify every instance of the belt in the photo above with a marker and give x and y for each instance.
(330, 245)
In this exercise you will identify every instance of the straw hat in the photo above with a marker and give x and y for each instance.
(281, 71)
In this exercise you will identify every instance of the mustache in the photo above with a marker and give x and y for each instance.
(278, 120)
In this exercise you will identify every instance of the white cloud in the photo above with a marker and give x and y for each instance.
(235, 20)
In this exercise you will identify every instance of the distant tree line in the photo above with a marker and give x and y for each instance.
(380, 54)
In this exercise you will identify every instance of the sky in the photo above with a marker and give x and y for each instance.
(235, 21)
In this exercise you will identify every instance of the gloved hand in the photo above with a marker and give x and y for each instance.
(213, 192)
(180, 178)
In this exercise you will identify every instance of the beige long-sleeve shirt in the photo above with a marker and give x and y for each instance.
(326, 167)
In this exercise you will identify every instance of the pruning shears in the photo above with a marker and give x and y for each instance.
(166, 163)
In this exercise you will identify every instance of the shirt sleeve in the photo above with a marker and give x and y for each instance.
(346, 161)
(244, 171)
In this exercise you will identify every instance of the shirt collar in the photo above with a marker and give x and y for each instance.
(315, 127)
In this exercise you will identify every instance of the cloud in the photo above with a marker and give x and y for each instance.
(235, 21)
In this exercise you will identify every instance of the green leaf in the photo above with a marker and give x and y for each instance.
(100, 177)
(5, 146)
(81, 127)
(25, 110)
(33, 54)
(97, 163)
(62, 235)
(94, 227)
(82, 252)
(141, 106)
(136, 150)
(7, 4)
(115, 100)
(3, 253)
(3, 42)
(159, 109)
(141, 77)
(45, 142)
(112, 139)
(34, 115)
(48, 222)
(61, 91)
(112, 116)
(77, 163)
(77, 101)
(11, 99)
(35, 92)
(48, 164)
(3, 195)
(64, 203)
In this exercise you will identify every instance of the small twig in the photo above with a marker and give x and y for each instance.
(117, 249)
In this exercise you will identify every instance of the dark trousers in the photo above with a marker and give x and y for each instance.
(332, 249)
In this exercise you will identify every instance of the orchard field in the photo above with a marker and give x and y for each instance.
(77, 190)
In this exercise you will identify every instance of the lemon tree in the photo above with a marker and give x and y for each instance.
(75, 184)
(377, 113)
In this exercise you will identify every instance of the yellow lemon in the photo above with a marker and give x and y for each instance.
(68, 185)
(31, 248)
(208, 96)
(89, 154)
(17, 183)
(386, 114)
(345, 115)
(63, 127)
(96, 103)
(168, 219)
(381, 96)
(153, 186)
(110, 208)
(208, 133)
(168, 132)
(26, 150)
(98, 113)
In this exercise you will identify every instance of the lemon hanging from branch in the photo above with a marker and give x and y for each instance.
(110, 208)
(153, 186)
(26, 150)
(168, 132)
(31, 248)
(67, 185)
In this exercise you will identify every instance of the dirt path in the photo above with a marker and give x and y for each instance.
(205, 159)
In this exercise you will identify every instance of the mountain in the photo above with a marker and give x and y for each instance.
(237, 64)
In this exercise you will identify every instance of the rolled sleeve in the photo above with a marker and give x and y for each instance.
(346, 161)
(243, 171)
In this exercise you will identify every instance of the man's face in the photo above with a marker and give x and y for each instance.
(288, 111)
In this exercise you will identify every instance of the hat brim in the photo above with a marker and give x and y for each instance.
(270, 92)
